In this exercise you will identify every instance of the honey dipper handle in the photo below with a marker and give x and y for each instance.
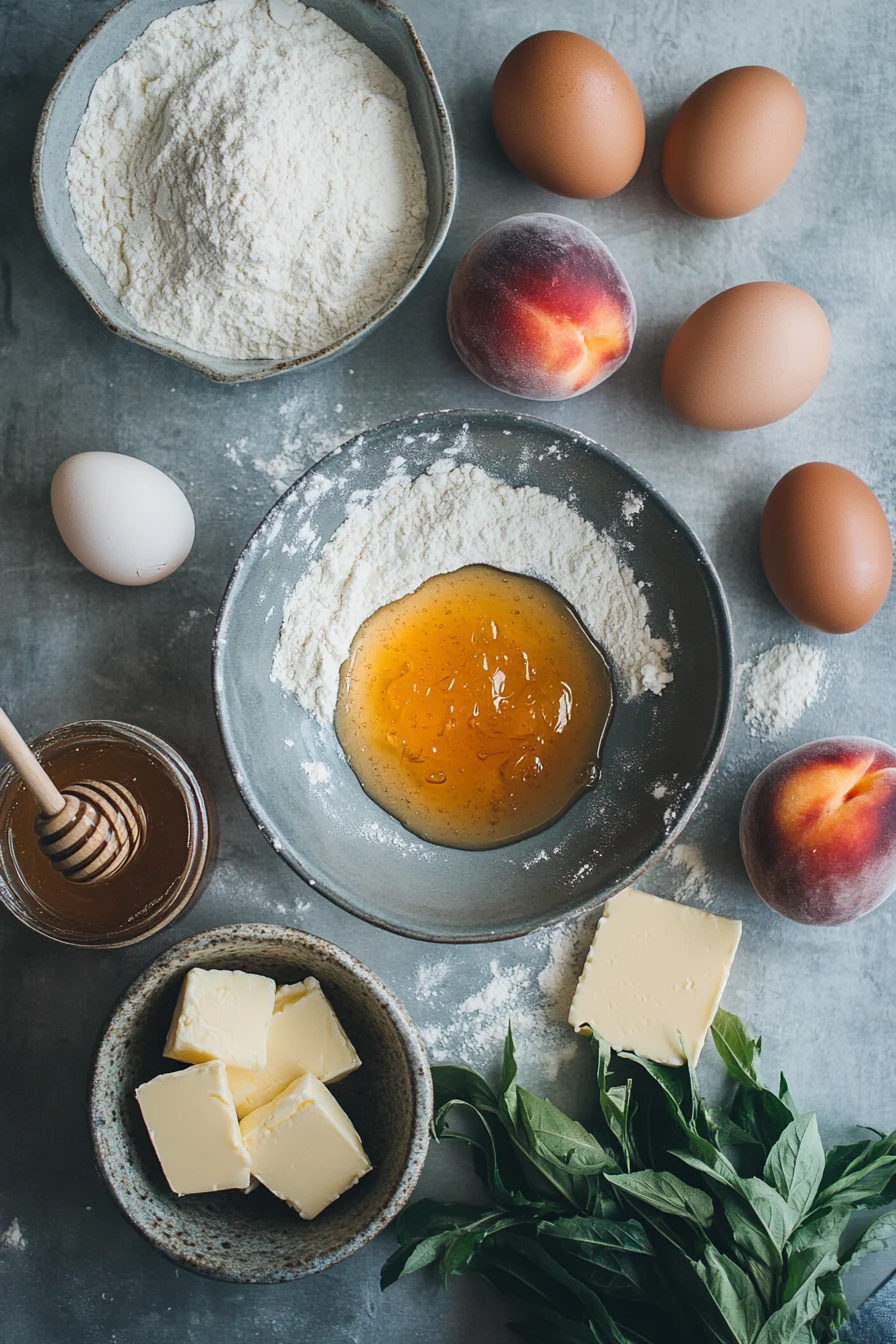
(32, 772)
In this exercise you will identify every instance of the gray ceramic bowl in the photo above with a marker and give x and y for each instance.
(386, 30)
(660, 751)
(256, 1238)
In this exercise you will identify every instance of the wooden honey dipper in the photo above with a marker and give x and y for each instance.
(90, 831)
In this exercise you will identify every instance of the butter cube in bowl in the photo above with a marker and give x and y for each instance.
(260, 1104)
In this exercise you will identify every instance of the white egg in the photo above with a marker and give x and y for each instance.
(122, 518)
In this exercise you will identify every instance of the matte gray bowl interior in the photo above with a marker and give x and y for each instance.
(660, 751)
(256, 1238)
(388, 33)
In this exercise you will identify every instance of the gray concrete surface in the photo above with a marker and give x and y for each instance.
(71, 646)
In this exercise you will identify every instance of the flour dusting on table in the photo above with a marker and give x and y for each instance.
(536, 1003)
(781, 684)
(454, 515)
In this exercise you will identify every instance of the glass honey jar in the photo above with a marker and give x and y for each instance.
(161, 880)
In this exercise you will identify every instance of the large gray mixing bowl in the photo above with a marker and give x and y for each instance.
(660, 750)
(386, 30)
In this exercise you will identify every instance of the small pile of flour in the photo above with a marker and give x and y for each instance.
(455, 515)
(781, 684)
(248, 179)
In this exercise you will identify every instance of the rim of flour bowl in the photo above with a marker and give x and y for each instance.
(196, 359)
(590, 903)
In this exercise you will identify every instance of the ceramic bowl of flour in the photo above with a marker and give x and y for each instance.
(384, 31)
(662, 616)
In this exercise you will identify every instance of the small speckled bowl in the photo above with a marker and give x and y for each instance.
(256, 1238)
(378, 25)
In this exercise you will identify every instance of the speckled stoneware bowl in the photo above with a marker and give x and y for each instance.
(389, 34)
(660, 750)
(256, 1238)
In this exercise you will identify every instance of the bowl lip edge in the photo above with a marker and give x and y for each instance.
(415, 1055)
(151, 341)
(724, 639)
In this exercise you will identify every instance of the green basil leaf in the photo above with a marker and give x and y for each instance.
(834, 1309)
(428, 1216)
(596, 1234)
(858, 1188)
(455, 1082)
(860, 1174)
(733, 1293)
(563, 1151)
(762, 1114)
(813, 1249)
(731, 1135)
(738, 1051)
(415, 1255)
(612, 1104)
(663, 1191)
(784, 1326)
(458, 1251)
(795, 1165)
(549, 1327)
(784, 1095)
(537, 1257)
(711, 1163)
(775, 1213)
(878, 1236)
(494, 1157)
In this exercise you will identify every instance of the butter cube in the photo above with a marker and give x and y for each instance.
(303, 1147)
(305, 1037)
(194, 1129)
(222, 1015)
(655, 969)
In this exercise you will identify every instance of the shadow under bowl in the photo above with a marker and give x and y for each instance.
(256, 1238)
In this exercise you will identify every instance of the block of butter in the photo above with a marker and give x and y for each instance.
(303, 1147)
(656, 969)
(194, 1129)
(222, 1015)
(305, 1036)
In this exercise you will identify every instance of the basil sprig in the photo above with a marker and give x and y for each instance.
(668, 1219)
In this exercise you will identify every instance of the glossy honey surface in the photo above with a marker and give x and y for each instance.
(474, 710)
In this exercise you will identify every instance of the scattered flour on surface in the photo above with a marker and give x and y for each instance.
(632, 505)
(13, 1239)
(454, 515)
(317, 771)
(308, 436)
(780, 685)
(248, 179)
(690, 867)
(535, 1003)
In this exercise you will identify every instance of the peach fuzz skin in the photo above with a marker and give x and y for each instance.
(538, 308)
(818, 830)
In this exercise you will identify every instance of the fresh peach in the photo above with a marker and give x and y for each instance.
(818, 830)
(538, 307)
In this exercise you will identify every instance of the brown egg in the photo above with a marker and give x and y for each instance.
(734, 142)
(826, 547)
(568, 116)
(746, 357)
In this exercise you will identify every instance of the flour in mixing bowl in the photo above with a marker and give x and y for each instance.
(248, 179)
(456, 515)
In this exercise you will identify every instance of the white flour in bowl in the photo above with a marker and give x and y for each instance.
(248, 179)
(454, 515)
